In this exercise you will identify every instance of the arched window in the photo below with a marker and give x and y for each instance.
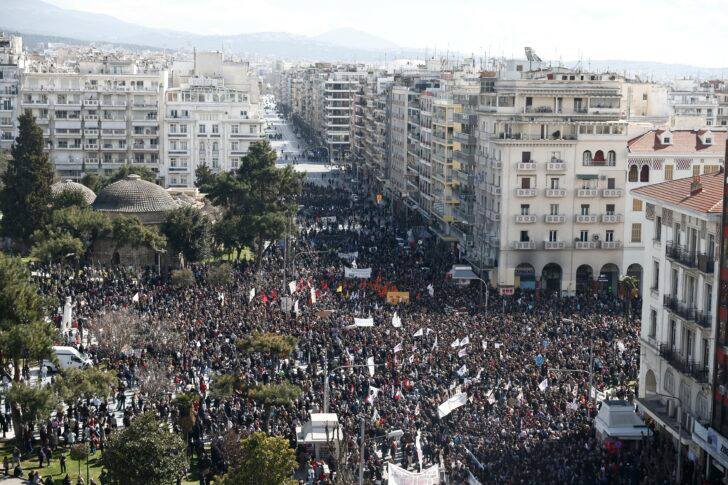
(611, 156)
(645, 173)
(632, 176)
(587, 156)
(669, 383)
(599, 156)
(215, 146)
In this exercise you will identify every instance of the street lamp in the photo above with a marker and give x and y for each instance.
(678, 472)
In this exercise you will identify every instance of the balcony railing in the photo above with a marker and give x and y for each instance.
(554, 245)
(587, 192)
(679, 308)
(525, 192)
(611, 218)
(526, 166)
(612, 193)
(611, 244)
(681, 255)
(585, 244)
(706, 264)
(555, 192)
(525, 218)
(556, 166)
(705, 320)
(697, 371)
(555, 218)
(523, 244)
(586, 218)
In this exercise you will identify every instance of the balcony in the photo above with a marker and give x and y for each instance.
(556, 166)
(585, 193)
(493, 215)
(585, 244)
(494, 189)
(555, 219)
(706, 263)
(526, 166)
(705, 320)
(550, 245)
(525, 219)
(612, 193)
(681, 255)
(611, 218)
(611, 244)
(525, 192)
(522, 245)
(585, 218)
(684, 365)
(679, 308)
(555, 192)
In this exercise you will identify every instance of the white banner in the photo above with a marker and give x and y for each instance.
(364, 322)
(370, 365)
(396, 321)
(292, 287)
(348, 256)
(400, 476)
(251, 295)
(363, 273)
(313, 295)
(328, 219)
(451, 404)
(68, 314)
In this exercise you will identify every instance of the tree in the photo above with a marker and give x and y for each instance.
(225, 385)
(29, 404)
(116, 330)
(90, 180)
(268, 343)
(203, 176)
(262, 460)
(220, 275)
(129, 231)
(78, 453)
(69, 198)
(145, 452)
(145, 173)
(56, 247)
(259, 195)
(186, 412)
(76, 384)
(82, 223)
(183, 278)
(3, 168)
(189, 232)
(270, 395)
(26, 195)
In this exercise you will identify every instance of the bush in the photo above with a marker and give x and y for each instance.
(219, 275)
(183, 278)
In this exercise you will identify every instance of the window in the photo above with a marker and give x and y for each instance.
(672, 336)
(553, 235)
(636, 205)
(554, 209)
(708, 303)
(611, 156)
(611, 183)
(554, 183)
(645, 173)
(636, 232)
(655, 275)
(525, 208)
(610, 209)
(609, 236)
(525, 183)
(644, 97)
(658, 228)
(525, 157)
(234, 129)
(696, 170)
(632, 176)
(216, 128)
(710, 247)
(202, 129)
(666, 140)
(524, 236)
(668, 172)
(583, 236)
(586, 156)
(653, 323)
(234, 146)
(173, 128)
(183, 129)
(584, 209)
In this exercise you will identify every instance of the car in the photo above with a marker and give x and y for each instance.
(68, 358)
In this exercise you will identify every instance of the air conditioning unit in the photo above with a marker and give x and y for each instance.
(595, 237)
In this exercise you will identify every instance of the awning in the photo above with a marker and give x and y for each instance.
(617, 419)
(655, 409)
(460, 272)
(712, 442)
(586, 176)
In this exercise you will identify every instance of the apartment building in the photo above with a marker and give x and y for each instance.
(678, 346)
(97, 115)
(370, 136)
(658, 156)
(11, 65)
(552, 150)
(694, 105)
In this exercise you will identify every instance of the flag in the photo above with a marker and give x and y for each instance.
(313, 295)
(221, 297)
(292, 287)
(463, 370)
(484, 344)
(411, 358)
(417, 409)
(543, 385)
(431, 290)
(375, 416)
(419, 333)
(465, 341)
(370, 366)
(572, 406)
(472, 480)
(418, 447)
(455, 344)
(295, 307)
(620, 346)
(364, 322)
(497, 346)
(451, 404)
(462, 352)
(339, 289)
(135, 298)
(251, 295)
(398, 347)
(68, 314)
(434, 345)
(396, 321)
(372, 394)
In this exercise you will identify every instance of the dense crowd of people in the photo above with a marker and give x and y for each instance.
(523, 422)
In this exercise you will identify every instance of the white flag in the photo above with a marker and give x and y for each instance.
(418, 447)
(313, 295)
(292, 287)
(375, 416)
(251, 295)
(620, 346)
(372, 395)
(462, 352)
(451, 404)
(484, 343)
(455, 344)
(295, 307)
(491, 397)
(543, 385)
(419, 333)
(431, 290)
(363, 322)
(135, 298)
(497, 345)
(68, 314)
(472, 480)
(221, 297)
(396, 321)
(398, 347)
(465, 341)
(463, 370)
(370, 366)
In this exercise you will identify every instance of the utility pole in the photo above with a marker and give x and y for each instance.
(361, 452)
(591, 372)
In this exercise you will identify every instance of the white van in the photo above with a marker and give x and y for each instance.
(68, 357)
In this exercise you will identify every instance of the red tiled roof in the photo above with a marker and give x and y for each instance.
(677, 192)
(683, 141)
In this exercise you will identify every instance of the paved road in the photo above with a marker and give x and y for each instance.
(290, 145)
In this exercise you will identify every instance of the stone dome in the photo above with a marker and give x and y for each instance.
(134, 195)
(70, 185)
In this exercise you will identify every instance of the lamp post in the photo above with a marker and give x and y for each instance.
(678, 471)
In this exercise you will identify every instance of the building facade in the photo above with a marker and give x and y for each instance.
(11, 65)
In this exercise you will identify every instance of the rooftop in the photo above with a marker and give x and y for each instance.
(677, 193)
(682, 141)
(134, 195)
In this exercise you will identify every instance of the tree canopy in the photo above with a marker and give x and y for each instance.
(268, 343)
(145, 173)
(262, 460)
(188, 232)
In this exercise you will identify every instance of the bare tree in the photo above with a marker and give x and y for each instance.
(154, 381)
(116, 331)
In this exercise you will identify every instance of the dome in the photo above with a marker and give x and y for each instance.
(134, 195)
(70, 185)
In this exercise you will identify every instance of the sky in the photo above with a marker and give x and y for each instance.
(673, 31)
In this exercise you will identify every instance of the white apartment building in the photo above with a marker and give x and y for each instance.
(338, 109)
(694, 105)
(97, 116)
(683, 221)
(207, 123)
(11, 64)
(552, 150)
(658, 156)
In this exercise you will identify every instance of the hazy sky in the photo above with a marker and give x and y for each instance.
(680, 31)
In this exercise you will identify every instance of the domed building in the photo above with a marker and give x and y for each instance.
(133, 196)
(71, 186)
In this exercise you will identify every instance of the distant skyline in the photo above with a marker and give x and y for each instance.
(671, 31)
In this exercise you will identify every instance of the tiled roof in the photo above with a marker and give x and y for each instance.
(683, 141)
(69, 185)
(677, 192)
(134, 195)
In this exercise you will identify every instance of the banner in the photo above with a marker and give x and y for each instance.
(431, 290)
(451, 404)
(363, 273)
(364, 322)
(251, 295)
(313, 296)
(328, 219)
(396, 321)
(292, 287)
(348, 256)
(395, 297)
(68, 314)
(370, 366)
(400, 476)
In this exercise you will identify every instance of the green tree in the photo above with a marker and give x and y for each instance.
(90, 180)
(262, 460)
(29, 404)
(76, 384)
(83, 223)
(56, 247)
(189, 232)
(268, 343)
(219, 275)
(26, 195)
(259, 195)
(203, 176)
(145, 452)
(225, 385)
(271, 395)
(3, 168)
(78, 453)
(69, 198)
(186, 412)
(183, 278)
(145, 173)
(129, 231)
